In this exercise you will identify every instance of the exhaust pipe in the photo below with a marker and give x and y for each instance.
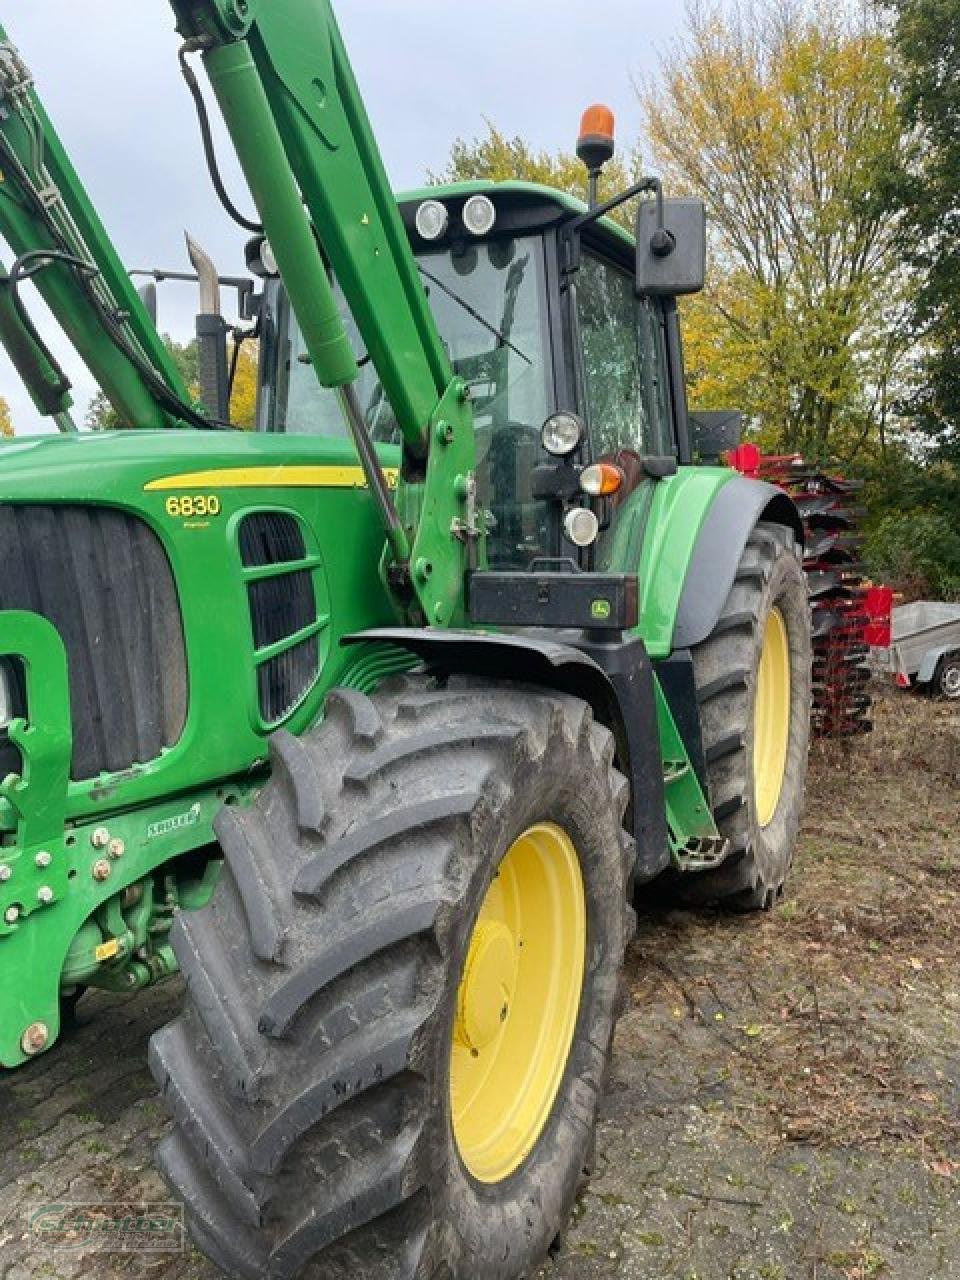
(211, 335)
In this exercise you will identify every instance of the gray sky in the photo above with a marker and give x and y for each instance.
(107, 73)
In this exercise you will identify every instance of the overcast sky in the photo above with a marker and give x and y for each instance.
(430, 71)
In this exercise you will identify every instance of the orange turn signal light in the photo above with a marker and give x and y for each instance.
(601, 479)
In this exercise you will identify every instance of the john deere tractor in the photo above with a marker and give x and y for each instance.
(370, 722)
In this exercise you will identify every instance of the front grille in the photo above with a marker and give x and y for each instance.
(282, 681)
(270, 537)
(103, 579)
(283, 605)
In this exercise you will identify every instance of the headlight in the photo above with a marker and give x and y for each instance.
(432, 220)
(561, 434)
(581, 526)
(479, 215)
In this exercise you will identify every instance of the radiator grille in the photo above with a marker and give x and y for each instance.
(270, 537)
(283, 605)
(103, 579)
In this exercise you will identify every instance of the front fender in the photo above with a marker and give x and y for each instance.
(612, 674)
(699, 523)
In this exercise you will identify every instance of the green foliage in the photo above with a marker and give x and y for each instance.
(499, 158)
(101, 416)
(927, 38)
(913, 525)
(784, 119)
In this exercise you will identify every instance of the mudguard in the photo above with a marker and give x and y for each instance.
(613, 675)
(723, 535)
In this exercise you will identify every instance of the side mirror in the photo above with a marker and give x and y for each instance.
(672, 260)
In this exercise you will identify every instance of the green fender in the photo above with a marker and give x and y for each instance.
(694, 534)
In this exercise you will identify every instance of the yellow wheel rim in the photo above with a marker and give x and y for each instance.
(518, 1003)
(771, 718)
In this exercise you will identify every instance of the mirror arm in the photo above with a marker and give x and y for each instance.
(662, 242)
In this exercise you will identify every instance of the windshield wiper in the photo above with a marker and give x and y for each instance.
(501, 338)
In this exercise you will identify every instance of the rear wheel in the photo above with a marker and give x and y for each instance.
(753, 679)
(402, 996)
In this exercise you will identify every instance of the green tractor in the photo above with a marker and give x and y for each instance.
(370, 722)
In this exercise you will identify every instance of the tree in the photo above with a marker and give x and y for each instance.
(784, 119)
(102, 416)
(6, 420)
(927, 40)
(243, 402)
(497, 158)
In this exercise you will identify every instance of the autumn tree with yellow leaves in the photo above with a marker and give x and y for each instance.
(498, 157)
(784, 119)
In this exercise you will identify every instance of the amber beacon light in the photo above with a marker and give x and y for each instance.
(596, 145)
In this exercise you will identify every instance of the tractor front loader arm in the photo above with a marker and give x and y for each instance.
(297, 120)
(61, 245)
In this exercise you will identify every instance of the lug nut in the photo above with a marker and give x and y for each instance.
(100, 838)
(43, 859)
(101, 870)
(34, 1040)
(45, 894)
(5, 873)
(12, 915)
(116, 848)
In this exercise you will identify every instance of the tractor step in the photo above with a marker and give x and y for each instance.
(674, 770)
(702, 853)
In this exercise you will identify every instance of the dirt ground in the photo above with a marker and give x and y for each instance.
(785, 1101)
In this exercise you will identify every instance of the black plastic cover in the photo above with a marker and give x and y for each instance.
(591, 601)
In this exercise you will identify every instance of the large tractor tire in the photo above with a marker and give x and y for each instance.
(753, 679)
(401, 999)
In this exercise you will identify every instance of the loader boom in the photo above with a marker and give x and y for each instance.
(44, 207)
(297, 120)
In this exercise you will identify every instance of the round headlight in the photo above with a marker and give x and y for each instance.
(432, 220)
(479, 215)
(561, 434)
(581, 526)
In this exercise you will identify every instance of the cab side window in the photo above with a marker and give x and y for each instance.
(624, 363)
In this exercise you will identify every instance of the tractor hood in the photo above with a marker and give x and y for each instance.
(200, 583)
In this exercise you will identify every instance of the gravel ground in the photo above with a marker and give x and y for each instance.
(784, 1100)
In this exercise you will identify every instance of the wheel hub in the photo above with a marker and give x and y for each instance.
(486, 993)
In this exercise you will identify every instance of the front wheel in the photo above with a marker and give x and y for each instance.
(402, 996)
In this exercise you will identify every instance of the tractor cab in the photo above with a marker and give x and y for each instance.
(567, 362)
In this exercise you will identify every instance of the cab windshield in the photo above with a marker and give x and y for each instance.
(488, 301)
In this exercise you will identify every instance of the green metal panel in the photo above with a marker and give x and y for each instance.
(678, 510)
(655, 534)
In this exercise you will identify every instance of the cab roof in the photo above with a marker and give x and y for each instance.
(526, 206)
